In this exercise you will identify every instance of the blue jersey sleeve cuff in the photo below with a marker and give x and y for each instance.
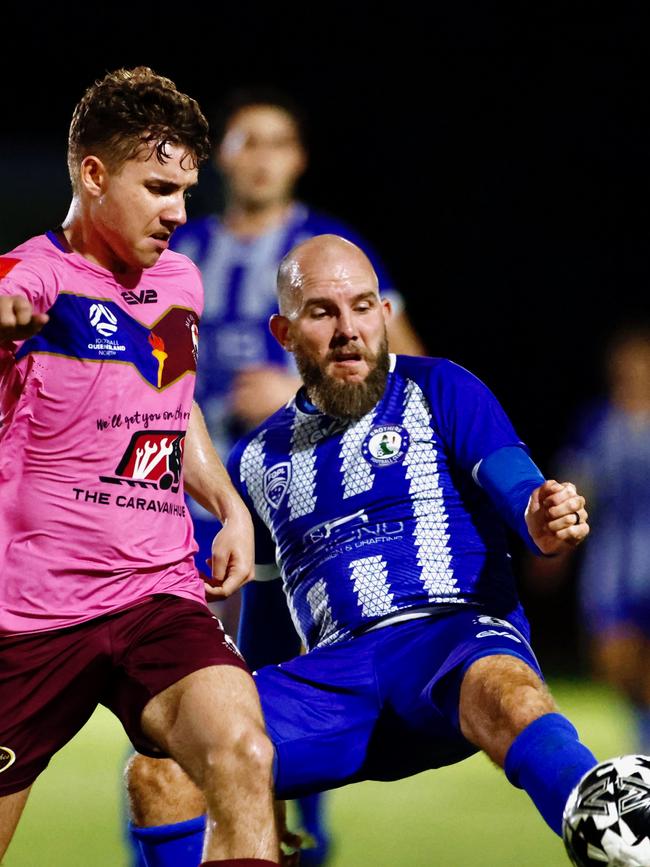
(509, 476)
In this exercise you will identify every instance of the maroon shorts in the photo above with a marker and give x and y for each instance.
(51, 682)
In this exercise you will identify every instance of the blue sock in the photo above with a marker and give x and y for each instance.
(178, 845)
(547, 760)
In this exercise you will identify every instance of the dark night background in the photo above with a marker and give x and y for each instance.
(496, 156)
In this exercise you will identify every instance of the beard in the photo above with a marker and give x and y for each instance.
(345, 400)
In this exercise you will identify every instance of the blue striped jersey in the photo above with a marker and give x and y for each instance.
(380, 515)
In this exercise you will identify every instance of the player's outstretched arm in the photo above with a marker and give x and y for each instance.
(556, 517)
(207, 481)
(17, 318)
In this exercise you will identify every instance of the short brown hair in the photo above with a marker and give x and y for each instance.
(129, 108)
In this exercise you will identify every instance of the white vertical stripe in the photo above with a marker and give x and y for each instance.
(369, 579)
(302, 499)
(321, 611)
(432, 523)
(358, 474)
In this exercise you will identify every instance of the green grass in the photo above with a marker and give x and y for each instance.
(463, 815)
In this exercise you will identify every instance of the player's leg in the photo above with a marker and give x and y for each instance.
(167, 812)
(211, 723)
(185, 692)
(312, 819)
(507, 711)
(11, 808)
(320, 711)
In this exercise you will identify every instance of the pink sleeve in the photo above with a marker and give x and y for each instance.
(35, 279)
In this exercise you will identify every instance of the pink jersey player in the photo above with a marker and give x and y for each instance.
(93, 418)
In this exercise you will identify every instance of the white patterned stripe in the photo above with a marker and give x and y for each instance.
(321, 611)
(302, 500)
(431, 524)
(358, 475)
(369, 579)
(252, 475)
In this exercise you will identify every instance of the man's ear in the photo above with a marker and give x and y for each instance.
(92, 175)
(280, 328)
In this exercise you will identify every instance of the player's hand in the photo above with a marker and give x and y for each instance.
(259, 391)
(232, 563)
(556, 517)
(17, 318)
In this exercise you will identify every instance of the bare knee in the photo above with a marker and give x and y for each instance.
(500, 696)
(244, 754)
(160, 792)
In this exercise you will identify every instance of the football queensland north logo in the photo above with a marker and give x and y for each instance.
(103, 320)
(7, 758)
(276, 482)
(153, 459)
(385, 445)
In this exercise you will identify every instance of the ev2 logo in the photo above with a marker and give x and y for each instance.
(103, 320)
(145, 296)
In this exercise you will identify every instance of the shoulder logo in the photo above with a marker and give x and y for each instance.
(385, 445)
(276, 482)
(103, 320)
(7, 758)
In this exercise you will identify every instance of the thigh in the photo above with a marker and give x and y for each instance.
(50, 684)
(421, 670)
(320, 711)
(157, 646)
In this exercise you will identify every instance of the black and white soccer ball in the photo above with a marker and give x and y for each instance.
(607, 816)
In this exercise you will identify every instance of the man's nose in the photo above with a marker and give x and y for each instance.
(345, 325)
(175, 212)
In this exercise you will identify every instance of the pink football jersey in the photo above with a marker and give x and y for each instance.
(93, 415)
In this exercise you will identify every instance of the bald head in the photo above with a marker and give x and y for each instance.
(321, 258)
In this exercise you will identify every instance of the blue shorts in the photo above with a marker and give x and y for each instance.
(381, 706)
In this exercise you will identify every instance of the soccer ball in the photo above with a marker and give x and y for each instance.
(607, 817)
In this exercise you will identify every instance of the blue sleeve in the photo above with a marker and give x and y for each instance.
(509, 477)
(266, 632)
(467, 415)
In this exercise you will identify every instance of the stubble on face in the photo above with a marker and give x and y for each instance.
(336, 397)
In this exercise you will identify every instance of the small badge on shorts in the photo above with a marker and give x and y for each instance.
(276, 482)
(7, 758)
(385, 445)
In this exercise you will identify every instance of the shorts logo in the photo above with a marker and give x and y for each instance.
(276, 482)
(103, 320)
(7, 758)
(385, 445)
(486, 620)
(493, 633)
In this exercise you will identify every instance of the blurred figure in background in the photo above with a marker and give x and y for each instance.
(243, 375)
(608, 456)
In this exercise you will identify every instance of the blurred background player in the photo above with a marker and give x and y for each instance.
(243, 374)
(608, 455)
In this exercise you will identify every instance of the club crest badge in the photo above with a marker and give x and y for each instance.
(385, 445)
(7, 758)
(276, 482)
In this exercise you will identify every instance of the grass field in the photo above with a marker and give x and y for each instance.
(464, 815)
